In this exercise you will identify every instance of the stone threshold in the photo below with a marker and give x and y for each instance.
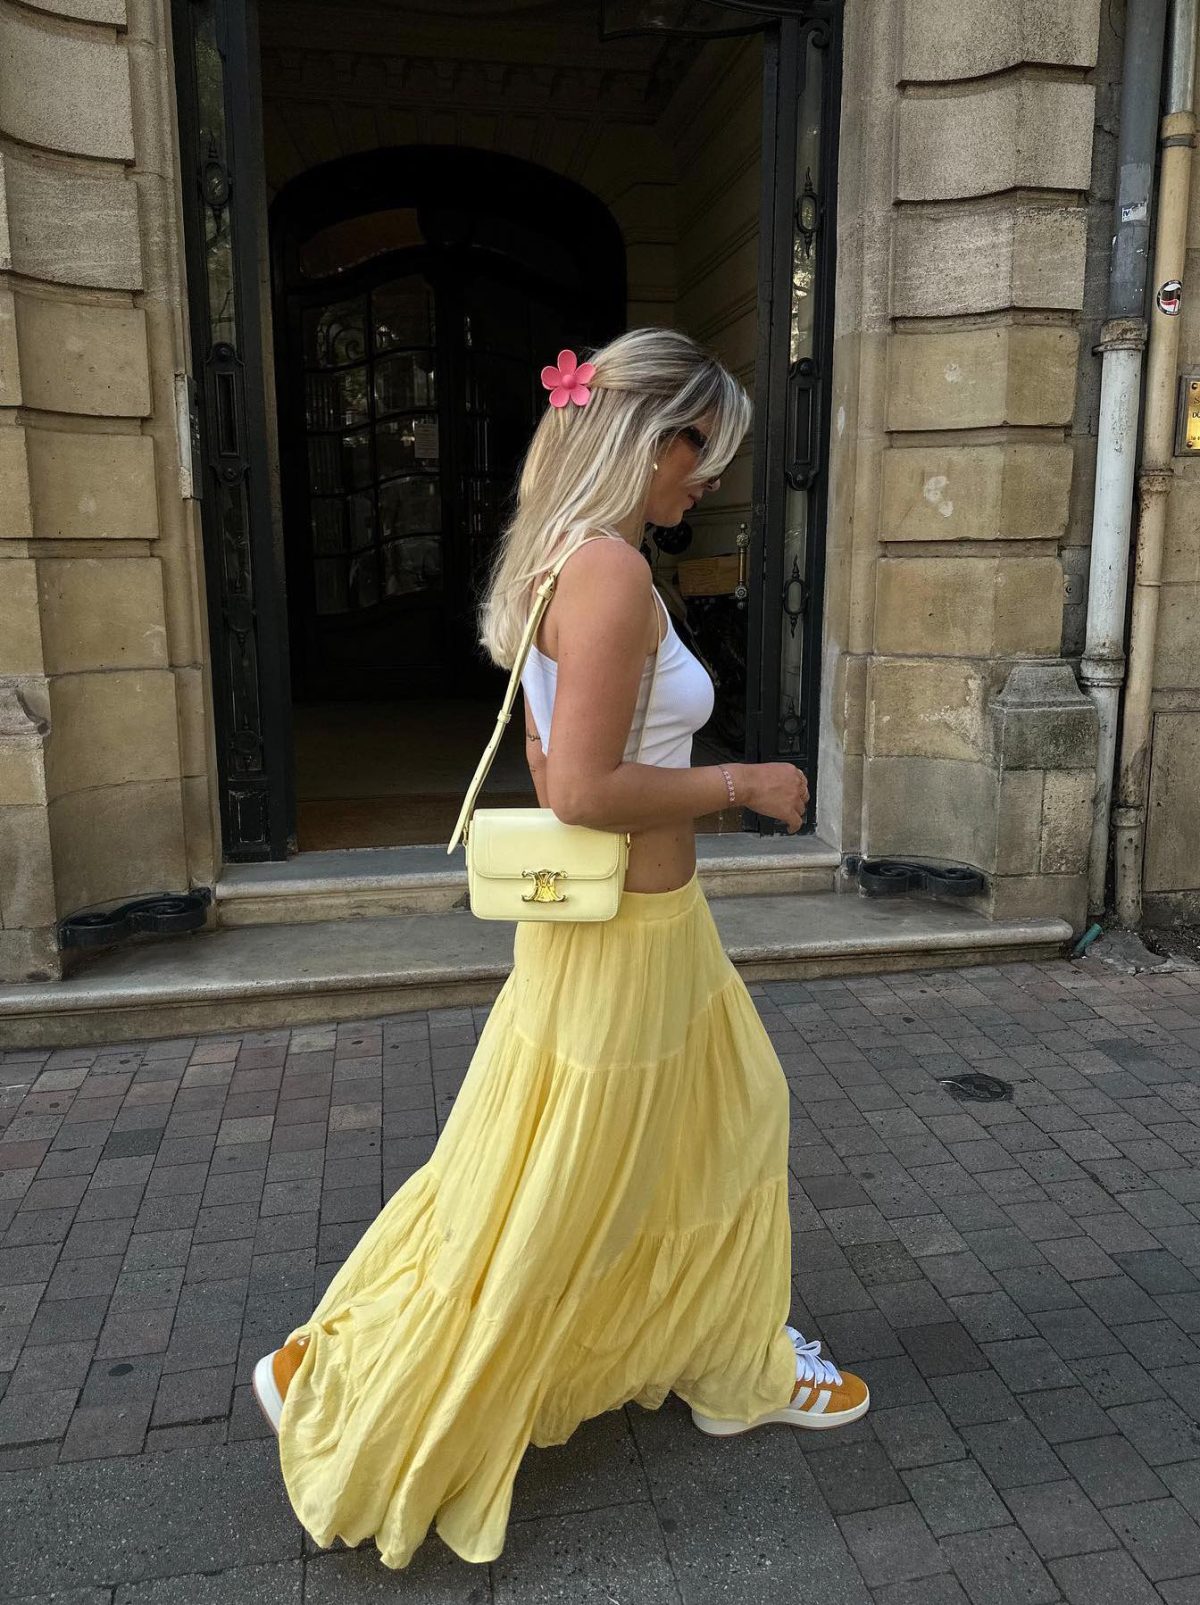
(269, 975)
(375, 882)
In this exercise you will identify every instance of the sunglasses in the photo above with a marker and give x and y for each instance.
(698, 440)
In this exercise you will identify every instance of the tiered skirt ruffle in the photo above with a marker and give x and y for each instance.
(604, 1219)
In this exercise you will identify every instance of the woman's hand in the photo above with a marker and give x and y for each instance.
(777, 790)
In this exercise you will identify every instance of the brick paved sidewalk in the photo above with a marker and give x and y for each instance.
(1020, 1283)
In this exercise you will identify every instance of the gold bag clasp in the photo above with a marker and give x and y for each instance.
(544, 889)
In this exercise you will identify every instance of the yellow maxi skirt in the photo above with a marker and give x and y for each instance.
(604, 1219)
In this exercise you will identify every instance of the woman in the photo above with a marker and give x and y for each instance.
(605, 1215)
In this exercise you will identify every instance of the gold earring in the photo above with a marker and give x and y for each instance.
(656, 468)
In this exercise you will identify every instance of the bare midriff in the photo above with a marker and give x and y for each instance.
(661, 859)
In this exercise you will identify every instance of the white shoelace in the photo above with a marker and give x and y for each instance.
(810, 1366)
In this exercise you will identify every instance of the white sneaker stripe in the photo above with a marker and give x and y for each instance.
(821, 1403)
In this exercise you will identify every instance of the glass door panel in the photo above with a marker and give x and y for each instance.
(328, 526)
(335, 401)
(412, 563)
(375, 484)
(403, 314)
(407, 445)
(410, 506)
(413, 383)
(363, 579)
(405, 381)
(335, 335)
(803, 370)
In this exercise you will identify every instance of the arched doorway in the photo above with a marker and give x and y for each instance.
(418, 292)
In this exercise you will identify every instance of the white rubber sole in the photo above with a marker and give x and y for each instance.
(270, 1400)
(785, 1417)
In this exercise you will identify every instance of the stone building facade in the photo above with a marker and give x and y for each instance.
(973, 213)
(964, 325)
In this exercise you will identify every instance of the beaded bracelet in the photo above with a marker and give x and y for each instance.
(728, 783)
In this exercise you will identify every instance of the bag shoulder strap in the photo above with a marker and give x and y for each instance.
(541, 602)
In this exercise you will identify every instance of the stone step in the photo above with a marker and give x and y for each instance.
(377, 882)
(271, 975)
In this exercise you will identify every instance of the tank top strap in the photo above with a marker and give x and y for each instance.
(612, 535)
(662, 608)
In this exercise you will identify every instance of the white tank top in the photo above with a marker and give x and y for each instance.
(683, 700)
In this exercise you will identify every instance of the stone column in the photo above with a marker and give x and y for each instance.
(968, 138)
(99, 660)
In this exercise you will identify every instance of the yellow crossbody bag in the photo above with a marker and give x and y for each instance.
(525, 863)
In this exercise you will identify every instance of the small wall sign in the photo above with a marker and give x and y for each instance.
(1187, 427)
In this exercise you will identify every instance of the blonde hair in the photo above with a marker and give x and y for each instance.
(589, 468)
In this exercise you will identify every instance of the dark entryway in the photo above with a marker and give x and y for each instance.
(417, 290)
(417, 293)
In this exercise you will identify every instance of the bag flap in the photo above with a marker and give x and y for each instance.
(505, 841)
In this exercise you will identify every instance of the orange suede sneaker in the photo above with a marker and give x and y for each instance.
(825, 1397)
(273, 1375)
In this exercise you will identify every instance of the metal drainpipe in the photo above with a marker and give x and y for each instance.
(1122, 341)
(1156, 472)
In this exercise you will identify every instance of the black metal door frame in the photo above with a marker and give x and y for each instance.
(792, 400)
(222, 172)
(221, 156)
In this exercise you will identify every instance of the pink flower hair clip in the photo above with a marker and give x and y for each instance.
(569, 381)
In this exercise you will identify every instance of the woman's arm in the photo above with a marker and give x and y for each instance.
(602, 608)
(534, 755)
